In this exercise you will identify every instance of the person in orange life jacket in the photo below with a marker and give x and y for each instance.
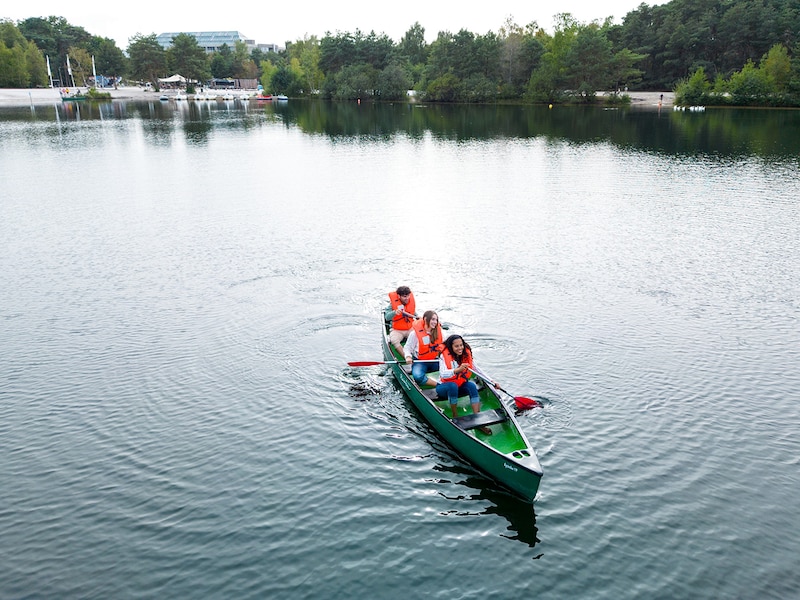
(424, 343)
(455, 363)
(401, 312)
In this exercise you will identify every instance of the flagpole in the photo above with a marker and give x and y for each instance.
(94, 73)
(49, 72)
(69, 70)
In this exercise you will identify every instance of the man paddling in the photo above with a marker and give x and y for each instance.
(401, 312)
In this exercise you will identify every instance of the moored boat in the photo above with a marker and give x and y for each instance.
(490, 440)
(74, 94)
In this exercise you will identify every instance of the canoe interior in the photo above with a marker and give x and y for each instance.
(505, 437)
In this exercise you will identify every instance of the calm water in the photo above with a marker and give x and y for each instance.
(183, 287)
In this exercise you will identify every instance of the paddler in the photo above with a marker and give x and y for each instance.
(401, 313)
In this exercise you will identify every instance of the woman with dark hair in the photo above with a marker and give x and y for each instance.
(455, 372)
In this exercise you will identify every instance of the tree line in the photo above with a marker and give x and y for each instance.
(731, 51)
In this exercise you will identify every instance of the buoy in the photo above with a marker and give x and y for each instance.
(550, 106)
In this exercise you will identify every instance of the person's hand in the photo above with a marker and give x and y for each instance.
(399, 311)
(408, 360)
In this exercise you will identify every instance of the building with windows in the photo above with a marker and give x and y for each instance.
(211, 41)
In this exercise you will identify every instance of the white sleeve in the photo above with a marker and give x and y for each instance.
(444, 372)
(410, 349)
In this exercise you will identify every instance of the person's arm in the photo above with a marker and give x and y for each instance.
(444, 372)
(411, 346)
(388, 314)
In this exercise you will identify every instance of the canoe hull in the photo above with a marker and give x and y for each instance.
(506, 456)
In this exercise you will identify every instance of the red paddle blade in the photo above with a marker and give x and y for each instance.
(524, 403)
(366, 363)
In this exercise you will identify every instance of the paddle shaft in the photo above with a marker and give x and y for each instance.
(372, 363)
(521, 402)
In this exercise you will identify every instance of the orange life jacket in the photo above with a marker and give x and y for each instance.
(427, 349)
(451, 363)
(401, 322)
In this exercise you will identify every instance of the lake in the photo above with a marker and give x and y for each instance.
(184, 284)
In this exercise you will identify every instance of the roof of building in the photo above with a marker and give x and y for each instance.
(206, 39)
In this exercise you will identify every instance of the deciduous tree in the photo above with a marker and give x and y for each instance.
(188, 59)
(148, 60)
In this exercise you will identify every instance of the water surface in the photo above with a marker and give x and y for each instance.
(184, 285)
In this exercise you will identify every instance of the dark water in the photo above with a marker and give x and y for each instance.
(183, 286)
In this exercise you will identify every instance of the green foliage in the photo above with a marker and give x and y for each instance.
(109, 59)
(768, 84)
(588, 63)
(412, 47)
(54, 36)
(777, 68)
(21, 62)
(393, 83)
(624, 70)
(95, 94)
(751, 85)
(148, 59)
(750, 49)
(345, 49)
(520, 52)
(444, 89)
(188, 59)
(81, 64)
(304, 61)
(268, 69)
(719, 35)
(355, 82)
(222, 62)
(694, 91)
(284, 81)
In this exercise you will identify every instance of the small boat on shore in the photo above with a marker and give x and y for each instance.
(68, 95)
(490, 440)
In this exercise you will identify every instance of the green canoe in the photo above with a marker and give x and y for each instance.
(506, 455)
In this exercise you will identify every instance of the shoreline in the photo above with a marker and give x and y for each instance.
(39, 96)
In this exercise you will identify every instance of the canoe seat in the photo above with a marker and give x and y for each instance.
(430, 394)
(485, 417)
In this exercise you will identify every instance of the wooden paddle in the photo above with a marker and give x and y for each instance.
(521, 402)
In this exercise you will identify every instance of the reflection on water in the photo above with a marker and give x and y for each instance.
(186, 284)
(722, 132)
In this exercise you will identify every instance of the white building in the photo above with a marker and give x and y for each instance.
(211, 41)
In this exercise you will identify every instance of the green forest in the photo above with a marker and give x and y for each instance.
(711, 52)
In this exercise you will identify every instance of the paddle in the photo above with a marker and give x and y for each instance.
(521, 402)
(372, 363)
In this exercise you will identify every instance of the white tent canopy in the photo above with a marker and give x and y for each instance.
(174, 79)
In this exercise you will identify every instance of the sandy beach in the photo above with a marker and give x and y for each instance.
(25, 97)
